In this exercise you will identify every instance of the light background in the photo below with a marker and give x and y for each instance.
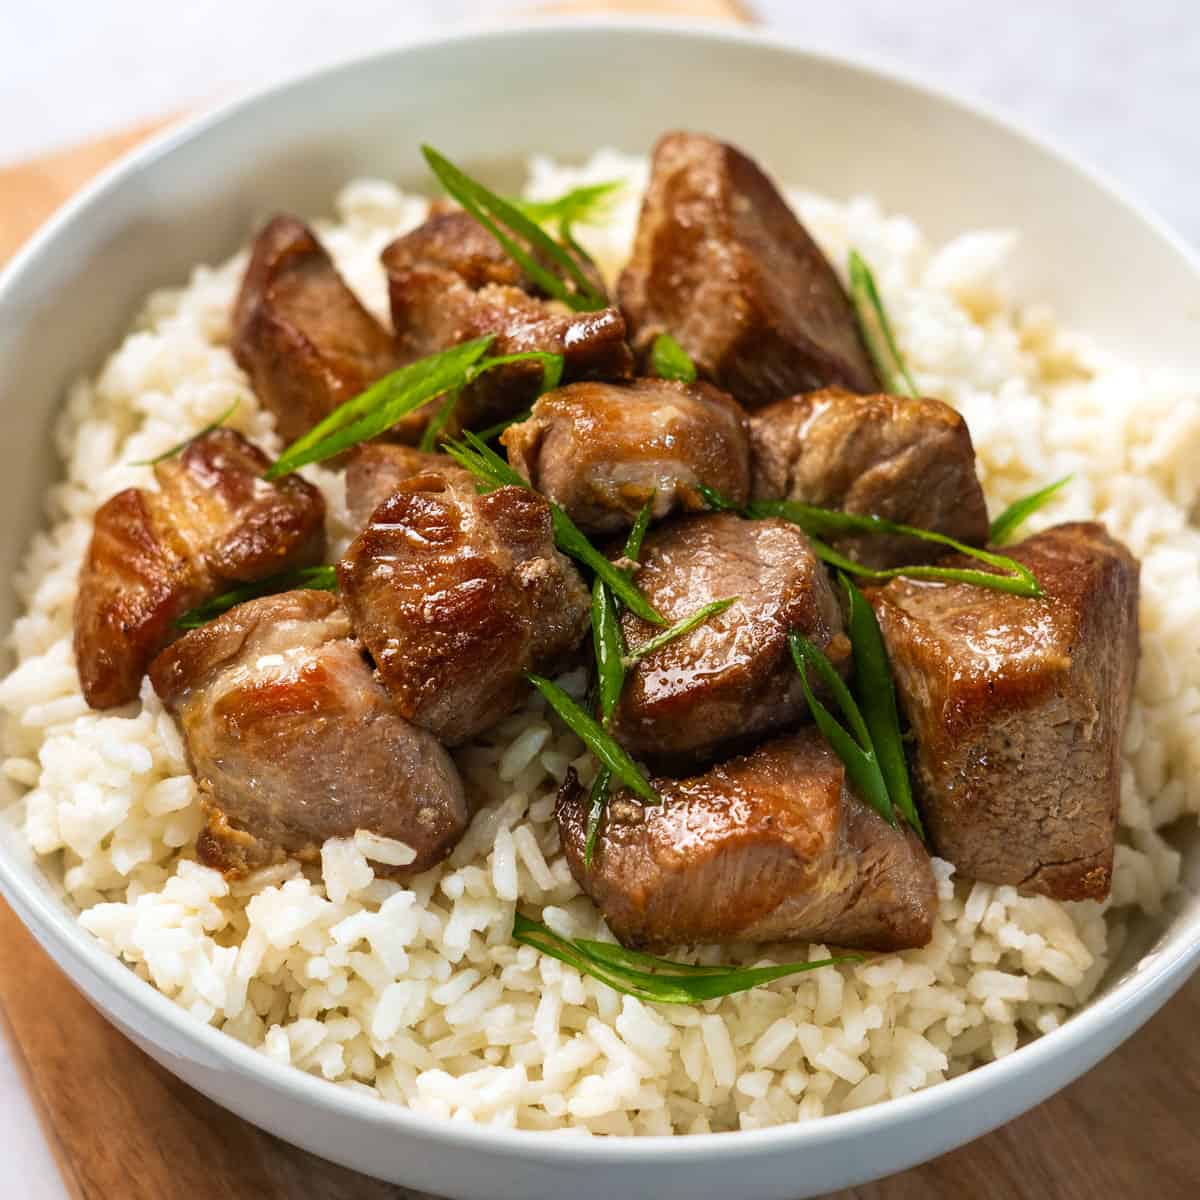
(1118, 83)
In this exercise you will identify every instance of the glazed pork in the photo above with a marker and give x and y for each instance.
(293, 740)
(455, 595)
(721, 263)
(450, 281)
(908, 460)
(731, 680)
(1017, 707)
(601, 449)
(377, 469)
(301, 334)
(774, 846)
(213, 523)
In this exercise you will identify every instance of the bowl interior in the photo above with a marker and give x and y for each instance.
(565, 90)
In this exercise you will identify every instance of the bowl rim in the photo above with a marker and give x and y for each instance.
(1160, 971)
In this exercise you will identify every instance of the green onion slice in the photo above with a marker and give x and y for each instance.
(855, 748)
(597, 802)
(438, 422)
(609, 643)
(1018, 579)
(637, 535)
(497, 215)
(587, 204)
(1017, 513)
(323, 579)
(877, 697)
(877, 330)
(682, 626)
(647, 977)
(671, 361)
(180, 447)
(597, 740)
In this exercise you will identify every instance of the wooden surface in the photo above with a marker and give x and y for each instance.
(122, 1128)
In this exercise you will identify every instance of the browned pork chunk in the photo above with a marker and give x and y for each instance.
(213, 523)
(722, 264)
(301, 334)
(455, 595)
(450, 281)
(910, 461)
(771, 847)
(1017, 707)
(293, 740)
(601, 450)
(731, 680)
(377, 469)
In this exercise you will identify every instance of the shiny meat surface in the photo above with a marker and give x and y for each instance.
(292, 740)
(377, 469)
(1018, 707)
(301, 334)
(601, 449)
(722, 264)
(908, 460)
(213, 523)
(774, 846)
(455, 595)
(732, 679)
(449, 281)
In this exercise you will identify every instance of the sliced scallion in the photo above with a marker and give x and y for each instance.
(323, 579)
(671, 361)
(1017, 513)
(180, 447)
(647, 977)
(877, 330)
(602, 745)
(682, 626)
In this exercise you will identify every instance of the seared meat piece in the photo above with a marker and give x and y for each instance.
(732, 679)
(301, 334)
(377, 469)
(293, 740)
(450, 281)
(908, 460)
(153, 555)
(455, 595)
(722, 264)
(771, 847)
(1018, 708)
(601, 449)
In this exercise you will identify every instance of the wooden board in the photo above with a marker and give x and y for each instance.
(122, 1127)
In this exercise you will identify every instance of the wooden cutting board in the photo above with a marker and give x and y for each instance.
(122, 1128)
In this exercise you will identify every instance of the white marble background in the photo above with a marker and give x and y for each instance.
(1116, 81)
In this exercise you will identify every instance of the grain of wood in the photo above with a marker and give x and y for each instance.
(122, 1128)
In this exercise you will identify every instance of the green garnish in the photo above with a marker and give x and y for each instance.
(648, 977)
(322, 579)
(609, 644)
(633, 543)
(597, 740)
(877, 698)
(438, 422)
(671, 360)
(492, 471)
(491, 432)
(587, 204)
(1017, 513)
(597, 802)
(854, 748)
(682, 626)
(180, 447)
(877, 330)
(610, 692)
(393, 397)
(1018, 580)
(572, 285)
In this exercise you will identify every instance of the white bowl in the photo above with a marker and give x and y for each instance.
(490, 99)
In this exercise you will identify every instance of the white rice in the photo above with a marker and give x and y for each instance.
(416, 993)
